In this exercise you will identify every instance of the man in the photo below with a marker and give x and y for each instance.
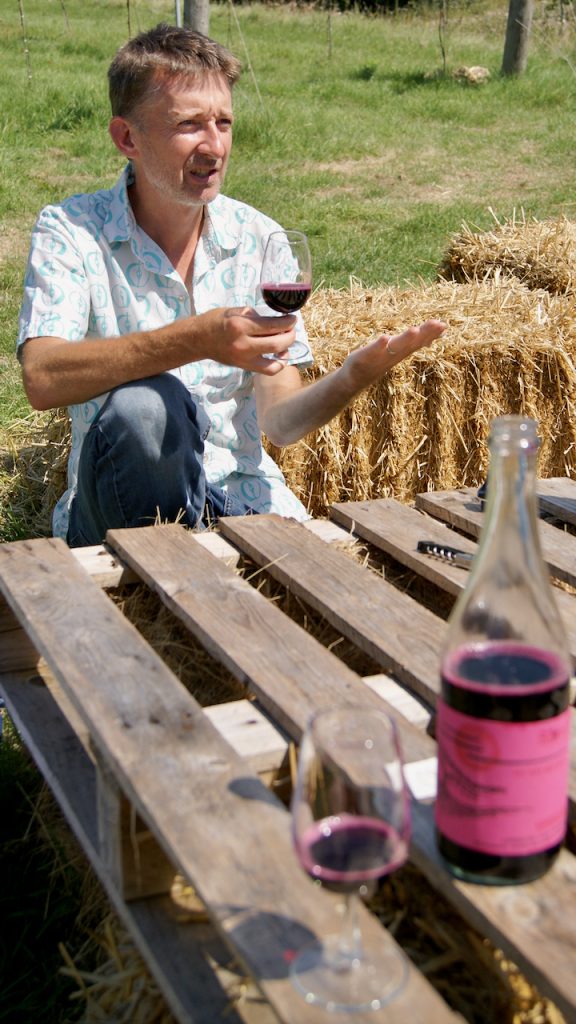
(180, 366)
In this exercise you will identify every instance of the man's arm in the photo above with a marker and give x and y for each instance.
(57, 372)
(287, 410)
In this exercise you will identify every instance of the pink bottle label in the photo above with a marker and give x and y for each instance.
(502, 786)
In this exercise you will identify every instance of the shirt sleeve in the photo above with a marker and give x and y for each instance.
(56, 300)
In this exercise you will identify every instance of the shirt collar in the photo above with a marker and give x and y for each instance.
(120, 224)
(220, 230)
(219, 238)
(221, 235)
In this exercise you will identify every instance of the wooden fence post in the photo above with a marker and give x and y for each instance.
(517, 36)
(197, 15)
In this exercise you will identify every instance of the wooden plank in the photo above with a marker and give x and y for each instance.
(16, 651)
(532, 921)
(8, 620)
(330, 532)
(108, 571)
(289, 672)
(485, 907)
(396, 529)
(413, 709)
(391, 627)
(105, 569)
(233, 839)
(58, 752)
(179, 953)
(130, 854)
(461, 509)
(241, 723)
(557, 496)
(252, 735)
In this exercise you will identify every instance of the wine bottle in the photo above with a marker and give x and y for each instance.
(503, 725)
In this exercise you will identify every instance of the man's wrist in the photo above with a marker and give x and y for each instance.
(351, 381)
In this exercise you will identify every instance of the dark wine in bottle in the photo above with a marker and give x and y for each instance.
(503, 725)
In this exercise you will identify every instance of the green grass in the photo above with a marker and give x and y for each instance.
(345, 127)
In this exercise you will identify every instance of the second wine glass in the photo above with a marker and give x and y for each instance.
(351, 826)
(286, 273)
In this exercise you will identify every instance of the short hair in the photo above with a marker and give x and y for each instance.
(168, 51)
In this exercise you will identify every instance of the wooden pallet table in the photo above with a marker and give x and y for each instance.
(153, 784)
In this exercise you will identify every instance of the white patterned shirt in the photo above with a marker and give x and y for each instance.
(94, 273)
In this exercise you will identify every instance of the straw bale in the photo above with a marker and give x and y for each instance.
(33, 459)
(508, 349)
(541, 254)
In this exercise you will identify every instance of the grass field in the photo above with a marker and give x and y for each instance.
(351, 128)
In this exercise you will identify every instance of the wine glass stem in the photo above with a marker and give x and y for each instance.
(349, 951)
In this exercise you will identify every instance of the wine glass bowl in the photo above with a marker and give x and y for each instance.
(350, 827)
(286, 272)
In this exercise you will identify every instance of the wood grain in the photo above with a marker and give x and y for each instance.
(461, 509)
(179, 953)
(216, 822)
(289, 672)
(193, 598)
(396, 529)
(557, 496)
(391, 627)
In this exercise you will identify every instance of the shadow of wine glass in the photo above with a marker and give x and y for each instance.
(275, 938)
(251, 788)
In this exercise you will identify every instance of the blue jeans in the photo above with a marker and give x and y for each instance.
(142, 460)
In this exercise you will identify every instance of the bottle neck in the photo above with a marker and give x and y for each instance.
(508, 596)
(511, 518)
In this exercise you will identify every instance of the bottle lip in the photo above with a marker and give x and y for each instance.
(520, 431)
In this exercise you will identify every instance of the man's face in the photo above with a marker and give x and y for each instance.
(183, 136)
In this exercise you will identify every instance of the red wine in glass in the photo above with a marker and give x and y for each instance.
(285, 298)
(348, 851)
(350, 827)
(286, 273)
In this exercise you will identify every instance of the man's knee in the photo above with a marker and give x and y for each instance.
(154, 414)
(151, 398)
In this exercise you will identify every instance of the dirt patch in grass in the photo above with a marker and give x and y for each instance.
(14, 241)
(453, 180)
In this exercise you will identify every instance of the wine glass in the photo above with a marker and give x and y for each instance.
(350, 826)
(286, 272)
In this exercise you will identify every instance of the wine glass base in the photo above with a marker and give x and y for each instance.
(325, 978)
